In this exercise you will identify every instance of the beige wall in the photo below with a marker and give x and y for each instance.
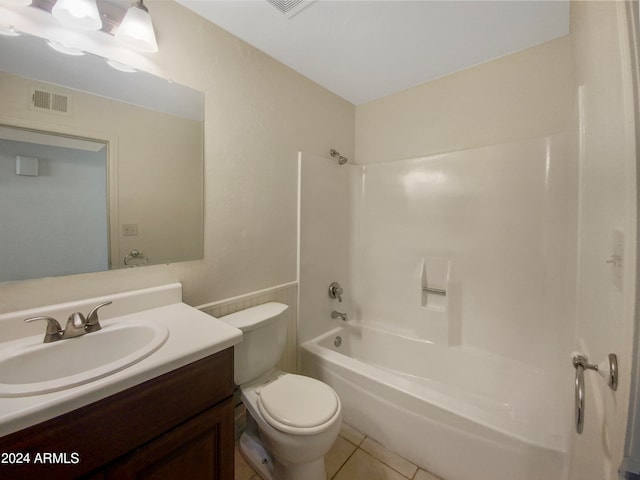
(258, 115)
(523, 95)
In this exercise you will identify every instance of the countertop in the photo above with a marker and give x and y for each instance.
(193, 335)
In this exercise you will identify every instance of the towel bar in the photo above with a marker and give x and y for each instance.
(435, 291)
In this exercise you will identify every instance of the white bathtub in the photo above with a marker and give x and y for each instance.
(461, 413)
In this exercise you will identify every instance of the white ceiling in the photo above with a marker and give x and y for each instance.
(363, 49)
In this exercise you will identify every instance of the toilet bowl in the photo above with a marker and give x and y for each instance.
(292, 420)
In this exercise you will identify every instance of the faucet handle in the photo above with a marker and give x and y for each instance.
(92, 324)
(335, 291)
(54, 330)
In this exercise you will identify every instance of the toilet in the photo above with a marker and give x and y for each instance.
(292, 420)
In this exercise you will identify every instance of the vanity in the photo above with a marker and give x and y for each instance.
(167, 415)
(150, 394)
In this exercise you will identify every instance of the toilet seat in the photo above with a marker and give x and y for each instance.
(297, 404)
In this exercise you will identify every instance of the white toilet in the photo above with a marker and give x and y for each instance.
(292, 420)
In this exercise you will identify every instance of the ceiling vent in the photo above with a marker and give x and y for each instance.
(290, 8)
(44, 100)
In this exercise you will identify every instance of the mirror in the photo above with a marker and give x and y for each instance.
(99, 168)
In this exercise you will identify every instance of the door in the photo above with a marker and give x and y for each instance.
(606, 226)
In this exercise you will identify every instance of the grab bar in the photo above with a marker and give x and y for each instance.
(581, 363)
(435, 291)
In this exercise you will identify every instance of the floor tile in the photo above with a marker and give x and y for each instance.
(242, 469)
(351, 434)
(362, 466)
(422, 475)
(339, 453)
(395, 461)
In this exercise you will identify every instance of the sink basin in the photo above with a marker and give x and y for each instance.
(28, 368)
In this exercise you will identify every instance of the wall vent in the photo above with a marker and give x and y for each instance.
(44, 100)
(290, 7)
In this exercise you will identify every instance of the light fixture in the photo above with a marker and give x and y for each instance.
(59, 47)
(16, 3)
(82, 14)
(9, 31)
(120, 66)
(136, 29)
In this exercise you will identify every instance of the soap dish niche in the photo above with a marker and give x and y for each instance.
(434, 283)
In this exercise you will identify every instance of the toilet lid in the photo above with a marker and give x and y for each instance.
(297, 401)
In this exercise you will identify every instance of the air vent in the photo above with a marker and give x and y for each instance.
(44, 100)
(290, 7)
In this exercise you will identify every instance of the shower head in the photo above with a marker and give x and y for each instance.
(341, 159)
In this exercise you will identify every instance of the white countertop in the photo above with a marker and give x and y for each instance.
(193, 335)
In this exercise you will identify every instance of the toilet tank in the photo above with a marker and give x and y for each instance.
(264, 333)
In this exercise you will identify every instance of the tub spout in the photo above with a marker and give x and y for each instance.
(341, 316)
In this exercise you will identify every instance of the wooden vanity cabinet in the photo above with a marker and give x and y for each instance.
(178, 425)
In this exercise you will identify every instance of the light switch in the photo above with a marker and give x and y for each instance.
(130, 229)
(26, 166)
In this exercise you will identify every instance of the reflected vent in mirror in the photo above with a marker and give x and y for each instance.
(290, 8)
(285, 5)
(44, 100)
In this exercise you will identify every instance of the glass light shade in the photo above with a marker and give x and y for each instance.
(136, 30)
(121, 66)
(16, 3)
(59, 47)
(9, 31)
(82, 14)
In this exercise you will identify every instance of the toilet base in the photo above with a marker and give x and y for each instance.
(256, 456)
(269, 468)
(300, 471)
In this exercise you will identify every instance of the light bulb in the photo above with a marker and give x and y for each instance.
(121, 66)
(16, 3)
(59, 47)
(9, 31)
(136, 29)
(82, 14)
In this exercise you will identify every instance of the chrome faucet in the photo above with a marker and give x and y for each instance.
(77, 325)
(341, 316)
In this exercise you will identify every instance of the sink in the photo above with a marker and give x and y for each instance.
(29, 367)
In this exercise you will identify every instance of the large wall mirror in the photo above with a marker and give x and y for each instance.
(100, 168)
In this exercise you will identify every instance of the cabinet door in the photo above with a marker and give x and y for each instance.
(201, 448)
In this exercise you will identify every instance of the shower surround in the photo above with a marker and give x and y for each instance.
(493, 227)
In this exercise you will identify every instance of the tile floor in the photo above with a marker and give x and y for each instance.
(354, 456)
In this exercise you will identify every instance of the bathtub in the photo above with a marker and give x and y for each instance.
(461, 413)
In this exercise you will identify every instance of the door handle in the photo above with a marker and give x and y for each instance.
(581, 363)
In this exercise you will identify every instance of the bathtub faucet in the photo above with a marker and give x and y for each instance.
(341, 316)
